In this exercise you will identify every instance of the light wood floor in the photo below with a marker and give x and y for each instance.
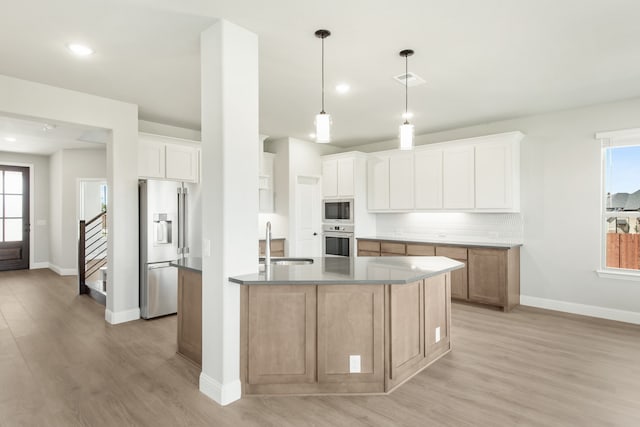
(62, 365)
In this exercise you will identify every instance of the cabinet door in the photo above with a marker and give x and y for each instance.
(190, 314)
(150, 159)
(350, 334)
(281, 334)
(458, 178)
(378, 183)
(182, 163)
(494, 176)
(345, 177)
(437, 315)
(459, 278)
(330, 178)
(401, 181)
(428, 179)
(488, 275)
(406, 311)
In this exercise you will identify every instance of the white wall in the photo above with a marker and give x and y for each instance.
(560, 167)
(167, 130)
(91, 200)
(67, 167)
(24, 98)
(40, 208)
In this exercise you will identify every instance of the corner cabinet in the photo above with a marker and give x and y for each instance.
(163, 157)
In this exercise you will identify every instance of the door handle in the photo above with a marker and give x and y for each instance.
(315, 234)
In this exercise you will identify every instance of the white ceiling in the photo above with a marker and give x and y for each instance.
(45, 137)
(482, 60)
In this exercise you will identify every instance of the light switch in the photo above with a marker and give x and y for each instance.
(354, 364)
(438, 334)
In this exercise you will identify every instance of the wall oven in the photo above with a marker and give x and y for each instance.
(337, 240)
(340, 211)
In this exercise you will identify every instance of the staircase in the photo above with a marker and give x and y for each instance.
(92, 258)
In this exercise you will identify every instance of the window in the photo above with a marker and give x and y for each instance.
(621, 201)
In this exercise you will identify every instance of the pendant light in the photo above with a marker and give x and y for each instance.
(406, 129)
(323, 120)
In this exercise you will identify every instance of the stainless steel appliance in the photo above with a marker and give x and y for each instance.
(337, 211)
(337, 240)
(165, 213)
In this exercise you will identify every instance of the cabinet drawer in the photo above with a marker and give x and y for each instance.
(369, 246)
(452, 252)
(390, 248)
(417, 249)
(368, 253)
(277, 245)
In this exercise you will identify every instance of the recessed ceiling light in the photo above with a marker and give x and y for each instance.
(343, 88)
(10, 139)
(80, 49)
(47, 127)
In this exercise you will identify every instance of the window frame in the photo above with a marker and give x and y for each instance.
(619, 138)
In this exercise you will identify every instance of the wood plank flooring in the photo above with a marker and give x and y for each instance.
(62, 365)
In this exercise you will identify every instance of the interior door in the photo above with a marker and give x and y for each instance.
(14, 218)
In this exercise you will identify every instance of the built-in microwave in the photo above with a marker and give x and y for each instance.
(337, 211)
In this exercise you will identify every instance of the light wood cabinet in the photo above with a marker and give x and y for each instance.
(392, 249)
(401, 181)
(368, 248)
(406, 310)
(428, 178)
(420, 249)
(437, 301)
(338, 177)
(190, 314)
(281, 331)
(351, 335)
(277, 247)
(459, 278)
(458, 178)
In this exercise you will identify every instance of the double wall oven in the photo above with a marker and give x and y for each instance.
(337, 228)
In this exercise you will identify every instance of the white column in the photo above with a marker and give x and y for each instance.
(229, 67)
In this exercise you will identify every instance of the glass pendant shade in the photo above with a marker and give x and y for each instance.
(323, 128)
(406, 136)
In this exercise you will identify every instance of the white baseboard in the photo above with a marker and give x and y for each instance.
(221, 394)
(117, 317)
(585, 310)
(38, 265)
(63, 271)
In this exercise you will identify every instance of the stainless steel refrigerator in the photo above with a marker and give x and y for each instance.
(169, 230)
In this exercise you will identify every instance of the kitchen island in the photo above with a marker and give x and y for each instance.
(190, 308)
(343, 325)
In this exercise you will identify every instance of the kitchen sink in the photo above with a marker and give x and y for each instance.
(287, 261)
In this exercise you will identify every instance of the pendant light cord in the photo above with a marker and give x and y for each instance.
(406, 90)
(322, 112)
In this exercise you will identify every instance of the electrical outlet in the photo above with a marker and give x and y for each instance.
(438, 334)
(354, 363)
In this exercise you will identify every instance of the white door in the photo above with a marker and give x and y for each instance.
(308, 231)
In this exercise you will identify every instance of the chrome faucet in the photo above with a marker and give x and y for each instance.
(267, 246)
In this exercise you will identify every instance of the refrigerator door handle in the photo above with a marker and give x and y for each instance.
(180, 236)
(185, 215)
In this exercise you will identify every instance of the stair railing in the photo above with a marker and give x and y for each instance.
(92, 249)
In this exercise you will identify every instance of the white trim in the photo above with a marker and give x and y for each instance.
(38, 265)
(63, 271)
(223, 394)
(616, 135)
(633, 275)
(117, 317)
(585, 310)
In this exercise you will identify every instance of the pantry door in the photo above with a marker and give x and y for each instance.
(14, 218)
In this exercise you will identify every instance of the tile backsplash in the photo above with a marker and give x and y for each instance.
(466, 227)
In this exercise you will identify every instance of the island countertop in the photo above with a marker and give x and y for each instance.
(191, 263)
(355, 271)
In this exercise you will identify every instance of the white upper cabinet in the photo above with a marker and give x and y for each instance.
(378, 183)
(458, 177)
(498, 175)
(338, 177)
(168, 158)
(428, 178)
(266, 202)
(150, 158)
(182, 163)
(401, 181)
